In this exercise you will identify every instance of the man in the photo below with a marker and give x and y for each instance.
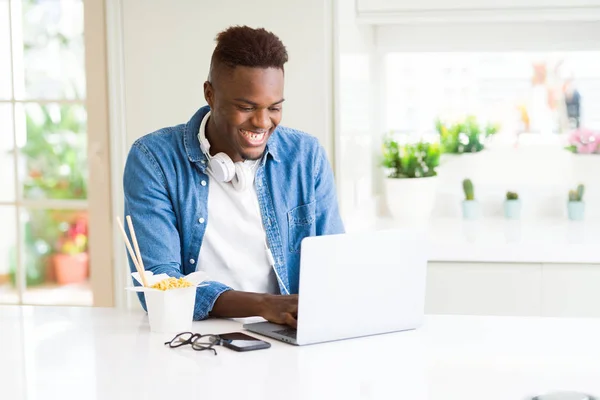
(230, 192)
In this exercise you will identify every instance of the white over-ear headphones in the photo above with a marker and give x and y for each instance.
(221, 166)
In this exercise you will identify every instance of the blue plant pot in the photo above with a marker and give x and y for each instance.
(576, 210)
(512, 209)
(470, 209)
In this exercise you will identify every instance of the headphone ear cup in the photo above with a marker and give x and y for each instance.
(222, 167)
(243, 177)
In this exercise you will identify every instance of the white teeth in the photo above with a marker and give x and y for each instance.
(253, 135)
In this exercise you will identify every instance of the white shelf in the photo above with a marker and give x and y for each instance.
(499, 240)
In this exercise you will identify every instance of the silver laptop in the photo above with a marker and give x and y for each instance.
(356, 284)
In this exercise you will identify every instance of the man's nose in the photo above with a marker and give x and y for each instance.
(261, 119)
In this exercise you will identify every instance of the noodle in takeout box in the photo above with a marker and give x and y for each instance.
(170, 309)
(169, 301)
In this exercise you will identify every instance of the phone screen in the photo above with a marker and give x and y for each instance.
(239, 340)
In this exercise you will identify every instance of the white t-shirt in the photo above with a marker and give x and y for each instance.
(233, 250)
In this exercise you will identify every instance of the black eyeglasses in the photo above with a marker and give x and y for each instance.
(197, 341)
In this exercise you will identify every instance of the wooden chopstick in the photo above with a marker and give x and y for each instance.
(138, 266)
(135, 242)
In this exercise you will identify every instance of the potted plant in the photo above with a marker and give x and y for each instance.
(450, 134)
(512, 206)
(576, 206)
(71, 262)
(411, 178)
(584, 141)
(584, 144)
(470, 206)
(464, 136)
(475, 137)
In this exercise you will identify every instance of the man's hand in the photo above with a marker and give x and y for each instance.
(274, 308)
(281, 309)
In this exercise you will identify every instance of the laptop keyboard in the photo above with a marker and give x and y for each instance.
(289, 332)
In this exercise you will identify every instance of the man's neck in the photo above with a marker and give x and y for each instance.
(215, 140)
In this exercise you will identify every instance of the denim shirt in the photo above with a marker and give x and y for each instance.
(166, 194)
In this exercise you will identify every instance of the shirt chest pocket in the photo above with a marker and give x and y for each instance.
(301, 223)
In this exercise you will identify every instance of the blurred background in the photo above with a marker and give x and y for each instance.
(43, 154)
(431, 112)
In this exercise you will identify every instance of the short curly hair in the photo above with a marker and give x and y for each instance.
(248, 47)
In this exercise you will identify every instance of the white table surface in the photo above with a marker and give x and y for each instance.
(504, 241)
(94, 353)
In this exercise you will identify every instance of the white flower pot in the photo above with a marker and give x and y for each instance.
(470, 209)
(512, 209)
(576, 210)
(411, 200)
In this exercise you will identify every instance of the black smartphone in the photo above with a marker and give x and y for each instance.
(239, 341)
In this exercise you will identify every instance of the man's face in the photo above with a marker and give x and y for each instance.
(245, 108)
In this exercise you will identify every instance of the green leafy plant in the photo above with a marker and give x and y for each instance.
(491, 129)
(55, 152)
(474, 135)
(415, 160)
(36, 253)
(512, 196)
(449, 136)
(468, 189)
(577, 194)
(55, 160)
(466, 136)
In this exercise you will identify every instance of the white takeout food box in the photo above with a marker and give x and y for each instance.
(172, 310)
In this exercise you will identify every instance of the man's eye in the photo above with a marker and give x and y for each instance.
(276, 109)
(247, 109)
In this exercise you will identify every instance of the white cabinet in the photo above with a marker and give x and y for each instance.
(520, 289)
(484, 289)
(381, 12)
(422, 5)
(571, 290)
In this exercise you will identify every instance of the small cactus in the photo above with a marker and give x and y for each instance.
(577, 195)
(512, 196)
(468, 189)
(573, 195)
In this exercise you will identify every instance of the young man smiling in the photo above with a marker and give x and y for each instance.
(231, 192)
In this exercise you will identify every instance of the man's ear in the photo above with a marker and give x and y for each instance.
(209, 94)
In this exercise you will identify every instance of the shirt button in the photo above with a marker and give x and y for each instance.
(192, 261)
(201, 220)
(203, 183)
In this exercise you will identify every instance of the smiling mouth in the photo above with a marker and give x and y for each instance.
(254, 138)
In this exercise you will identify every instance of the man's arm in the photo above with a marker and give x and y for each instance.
(148, 203)
(273, 308)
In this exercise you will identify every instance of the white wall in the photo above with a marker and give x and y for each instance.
(504, 36)
(355, 115)
(167, 47)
